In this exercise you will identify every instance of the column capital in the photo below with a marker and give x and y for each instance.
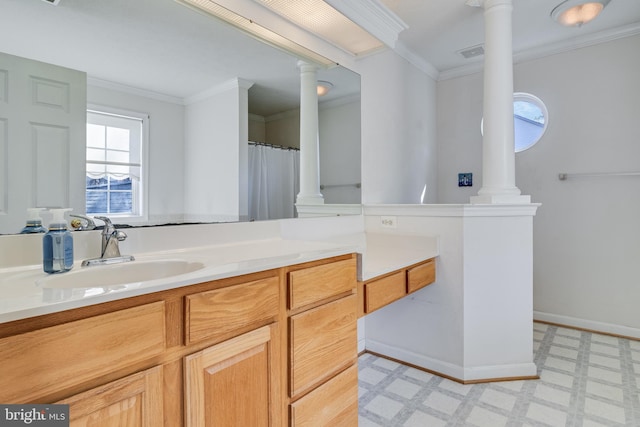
(305, 66)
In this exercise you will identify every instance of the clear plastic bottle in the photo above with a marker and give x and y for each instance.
(57, 245)
(34, 222)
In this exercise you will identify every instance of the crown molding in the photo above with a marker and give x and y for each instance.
(550, 49)
(374, 17)
(105, 84)
(418, 62)
(235, 83)
(338, 102)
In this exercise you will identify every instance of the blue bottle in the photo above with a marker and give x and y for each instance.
(57, 245)
(34, 222)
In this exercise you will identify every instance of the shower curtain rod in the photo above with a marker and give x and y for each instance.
(281, 147)
(564, 176)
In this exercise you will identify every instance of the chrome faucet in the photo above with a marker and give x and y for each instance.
(110, 250)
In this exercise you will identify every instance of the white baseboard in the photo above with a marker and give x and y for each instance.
(361, 346)
(460, 373)
(592, 325)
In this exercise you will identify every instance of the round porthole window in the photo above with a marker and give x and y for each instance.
(530, 120)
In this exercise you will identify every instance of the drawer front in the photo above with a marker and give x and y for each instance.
(421, 275)
(221, 312)
(384, 291)
(314, 284)
(334, 403)
(47, 360)
(323, 342)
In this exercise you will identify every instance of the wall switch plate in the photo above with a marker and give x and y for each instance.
(388, 221)
(465, 180)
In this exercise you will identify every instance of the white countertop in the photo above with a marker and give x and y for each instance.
(26, 291)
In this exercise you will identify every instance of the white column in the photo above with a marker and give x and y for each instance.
(498, 156)
(309, 146)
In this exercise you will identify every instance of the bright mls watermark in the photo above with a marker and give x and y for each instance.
(34, 415)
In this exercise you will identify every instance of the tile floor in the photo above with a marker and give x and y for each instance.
(585, 380)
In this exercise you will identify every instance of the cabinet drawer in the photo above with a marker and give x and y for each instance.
(323, 342)
(41, 362)
(421, 275)
(221, 312)
(335, 403)
(384, 291)
(314, 284)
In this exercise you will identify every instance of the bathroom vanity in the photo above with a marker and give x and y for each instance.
(268, 340)
(253, 347)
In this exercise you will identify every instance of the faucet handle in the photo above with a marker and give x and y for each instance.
(78, 223)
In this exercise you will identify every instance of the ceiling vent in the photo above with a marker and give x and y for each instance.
(472, 51)
(53, 2)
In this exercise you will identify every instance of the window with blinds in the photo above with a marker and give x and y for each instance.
(114, 182)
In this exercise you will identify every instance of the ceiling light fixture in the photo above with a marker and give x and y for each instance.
(258, 31)
(575, 13)
(324, 87)
(325, 21)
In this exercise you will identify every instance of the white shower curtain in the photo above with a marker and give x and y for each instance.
(274, 177)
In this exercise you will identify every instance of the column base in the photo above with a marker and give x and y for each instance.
(313, 199)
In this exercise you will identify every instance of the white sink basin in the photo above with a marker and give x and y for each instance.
(104, 276)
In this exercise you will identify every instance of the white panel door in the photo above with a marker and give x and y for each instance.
(42, 138)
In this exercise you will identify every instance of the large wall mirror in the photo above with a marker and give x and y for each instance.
(159, 58)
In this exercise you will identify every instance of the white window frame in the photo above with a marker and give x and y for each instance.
(532, 99)
(142, 196)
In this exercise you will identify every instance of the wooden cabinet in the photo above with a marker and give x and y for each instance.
(136, 400)
(383, 290)
(323, 386)
(271, 348)
(233, 383)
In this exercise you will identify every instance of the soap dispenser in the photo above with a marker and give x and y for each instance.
(57, 245)
(34, 222)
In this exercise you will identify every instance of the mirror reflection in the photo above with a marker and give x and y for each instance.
(201, 90)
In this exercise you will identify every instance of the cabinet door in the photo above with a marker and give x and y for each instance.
(133, 401)
(234, 383)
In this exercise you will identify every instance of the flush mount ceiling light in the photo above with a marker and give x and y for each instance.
(574, 13)
(322, 19)
(324, 87)
(257, 31)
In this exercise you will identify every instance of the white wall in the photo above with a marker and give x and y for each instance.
(340, 151)
(166, 148)
(586, 237)
(398, 131)
(257, 129)
(212, 151)
(283, 129)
